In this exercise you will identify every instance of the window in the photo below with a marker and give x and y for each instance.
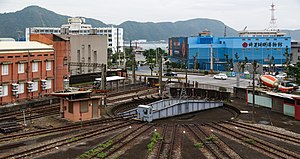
(35, 67)
(21, 88)
(70, 107)
(65, 61)
(48, 65)
(95, 57)
(83, 106)
(4, 69)
(35, 86)
(49, 84)
(20, 68)
(4, 91)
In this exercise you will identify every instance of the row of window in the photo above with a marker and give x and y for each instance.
(266, 39)
(21, 67)
(35, 55)
(21, 88)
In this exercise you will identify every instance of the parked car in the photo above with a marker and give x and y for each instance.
(170, 74)
(220, 76)
(281, 76)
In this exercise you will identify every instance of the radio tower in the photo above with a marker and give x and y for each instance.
(273, 25)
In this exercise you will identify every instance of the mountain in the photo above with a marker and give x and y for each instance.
(35, 16)
(162, 31)
(295, 34)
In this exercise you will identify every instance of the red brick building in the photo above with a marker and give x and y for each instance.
(62, 56)
(27, 71)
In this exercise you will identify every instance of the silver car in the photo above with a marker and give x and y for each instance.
(220, 76)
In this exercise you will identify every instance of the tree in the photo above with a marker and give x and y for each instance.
(227, 62)
(288, 56)
(195, 61)
(294, 71)
(270, 62)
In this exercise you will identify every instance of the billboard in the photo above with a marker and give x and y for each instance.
(178, 47)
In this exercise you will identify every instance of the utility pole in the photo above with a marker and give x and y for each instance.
(255, 66)
(133, 70)
(211, 59)
(118, 47)
(160, 72)
(103, 77)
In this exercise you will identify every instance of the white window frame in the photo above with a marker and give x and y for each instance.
(21, 87)
(35, 67)
(21, 67)
(35, 86)
(49, 84)
(48, 65)
(4, 91)
(4, 69)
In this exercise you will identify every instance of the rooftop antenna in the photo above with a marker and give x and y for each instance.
(273, 25)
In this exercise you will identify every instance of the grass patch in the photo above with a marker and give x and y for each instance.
(96, 150)
(155, 137)
(101, 155)
(73, 139)
(199, 145)
(211, 138)
(249, 141)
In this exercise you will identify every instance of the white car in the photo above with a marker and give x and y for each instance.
(220, 76)
(281, 76)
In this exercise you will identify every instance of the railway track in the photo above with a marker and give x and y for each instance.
(65, 141)
(116, 143)
(210, 142)
(19, 114)
(58, 129)
(264, 132)
(267, 147)
(165, 146)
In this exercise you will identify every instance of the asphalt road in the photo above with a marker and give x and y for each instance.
(208, 79)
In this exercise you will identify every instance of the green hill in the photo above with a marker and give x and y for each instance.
(35, 16)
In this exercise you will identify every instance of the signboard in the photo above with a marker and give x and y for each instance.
(262, 44)
(178, 47)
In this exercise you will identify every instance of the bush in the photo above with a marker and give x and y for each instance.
(198, 145)
(206, 72)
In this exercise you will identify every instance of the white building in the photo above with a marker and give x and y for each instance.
(77, 26)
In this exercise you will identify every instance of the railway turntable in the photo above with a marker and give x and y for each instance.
(168, 108)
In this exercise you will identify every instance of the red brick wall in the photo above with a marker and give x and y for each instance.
(14, 77)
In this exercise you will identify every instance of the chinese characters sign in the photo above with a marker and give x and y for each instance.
(262, 44)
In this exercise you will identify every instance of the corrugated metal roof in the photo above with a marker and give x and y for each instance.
(19, 46)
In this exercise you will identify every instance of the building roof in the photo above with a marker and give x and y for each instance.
(71, 93)
(10, 47)
(112, 78)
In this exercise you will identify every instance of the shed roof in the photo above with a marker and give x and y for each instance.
(112, 78)
(71, 93)
(11, 46)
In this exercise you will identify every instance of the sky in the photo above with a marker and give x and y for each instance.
(255, 14)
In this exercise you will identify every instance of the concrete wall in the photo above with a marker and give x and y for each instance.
(92, 49)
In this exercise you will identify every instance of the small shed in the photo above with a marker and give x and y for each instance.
(79, 105)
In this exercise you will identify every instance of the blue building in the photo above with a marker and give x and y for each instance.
(254, 45)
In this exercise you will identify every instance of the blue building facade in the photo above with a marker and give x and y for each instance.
(259, 48)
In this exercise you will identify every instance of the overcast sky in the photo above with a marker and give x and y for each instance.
(255, 14)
